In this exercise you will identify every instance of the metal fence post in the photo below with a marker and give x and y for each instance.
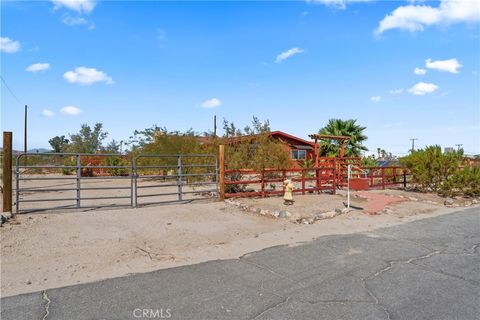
(7, 172)
(404, 178)
(79, 176)
(131, 182)
(17, 186)
(179, 178)
(135, 181)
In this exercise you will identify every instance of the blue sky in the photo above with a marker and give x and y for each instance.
(175, 64)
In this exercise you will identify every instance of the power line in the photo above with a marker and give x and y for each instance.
(10, 90)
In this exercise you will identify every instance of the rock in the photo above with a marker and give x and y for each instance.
(264, 212)
(339, 211)
(474, 201)
(468, 203)
(7, 214)
(28, 282)
(305, 221)
(330, 214)
(412, 199)
(449, 202)
(283, 214)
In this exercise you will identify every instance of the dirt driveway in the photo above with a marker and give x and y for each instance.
(50, 250)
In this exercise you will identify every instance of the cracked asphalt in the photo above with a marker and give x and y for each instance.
(427, 269)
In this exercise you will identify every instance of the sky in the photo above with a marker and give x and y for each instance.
(403, 69)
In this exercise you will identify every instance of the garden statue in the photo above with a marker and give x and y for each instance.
(288, 195)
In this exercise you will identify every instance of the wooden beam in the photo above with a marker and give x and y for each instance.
(7, 172)
(221, 163)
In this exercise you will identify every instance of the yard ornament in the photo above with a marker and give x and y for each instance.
(288, 195)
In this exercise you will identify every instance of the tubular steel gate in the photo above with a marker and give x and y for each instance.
(79, 181)
(175, 178)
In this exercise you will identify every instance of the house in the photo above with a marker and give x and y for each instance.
(298, 148)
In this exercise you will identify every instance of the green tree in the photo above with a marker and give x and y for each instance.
(58, 143)
(87, 140)
(349, 128)
(113, 146)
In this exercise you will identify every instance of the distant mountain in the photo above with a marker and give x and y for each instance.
(39, 150)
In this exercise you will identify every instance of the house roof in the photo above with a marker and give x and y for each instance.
(276, 134)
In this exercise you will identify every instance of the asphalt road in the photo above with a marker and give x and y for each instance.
(428, 269)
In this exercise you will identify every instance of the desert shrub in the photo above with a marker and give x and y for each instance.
(234, 188)
(464, 181)
(69, 162)
(116, 161)
(432, 170)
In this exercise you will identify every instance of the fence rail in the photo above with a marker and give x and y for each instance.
(80, 181)
(307, 180)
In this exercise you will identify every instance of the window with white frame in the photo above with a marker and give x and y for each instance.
(299, 154)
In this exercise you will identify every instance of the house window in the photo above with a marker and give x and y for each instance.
(299, 154)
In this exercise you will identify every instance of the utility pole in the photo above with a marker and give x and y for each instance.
(458, 145)
(413, 143)
(214, 126)
(25, 134)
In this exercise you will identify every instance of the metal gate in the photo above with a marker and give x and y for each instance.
(175, 178)
(80, 181)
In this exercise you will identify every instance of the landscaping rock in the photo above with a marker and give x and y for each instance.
(330, 214)
(283, 214)
(449, 202)
(7, 215)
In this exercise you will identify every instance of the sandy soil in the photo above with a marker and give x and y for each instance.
(57, 249)
(148, 191)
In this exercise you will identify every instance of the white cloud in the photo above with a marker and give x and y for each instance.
(396, 91)
(47, 113)
(376, 99)
(70, 111)
(8, 45)
(80, 6)
(338, 4)
(423, 88)
(36, 67)
(420, 71)
(287, 54)
(450, 65)
(86, 76)
(77, 21)
(416, 17)
(211, 103)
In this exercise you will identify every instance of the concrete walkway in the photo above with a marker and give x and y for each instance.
(427, 269)
(377, 202)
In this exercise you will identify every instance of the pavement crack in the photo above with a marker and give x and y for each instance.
(47, 305)
(376, 302)
(408, 261)
(474, 248)
(426, 268)
(270, 308)
(264, 268)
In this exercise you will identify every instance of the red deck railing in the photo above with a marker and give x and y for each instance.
(264, 183)
(270, 181)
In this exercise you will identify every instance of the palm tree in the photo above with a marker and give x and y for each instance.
(349, 128)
